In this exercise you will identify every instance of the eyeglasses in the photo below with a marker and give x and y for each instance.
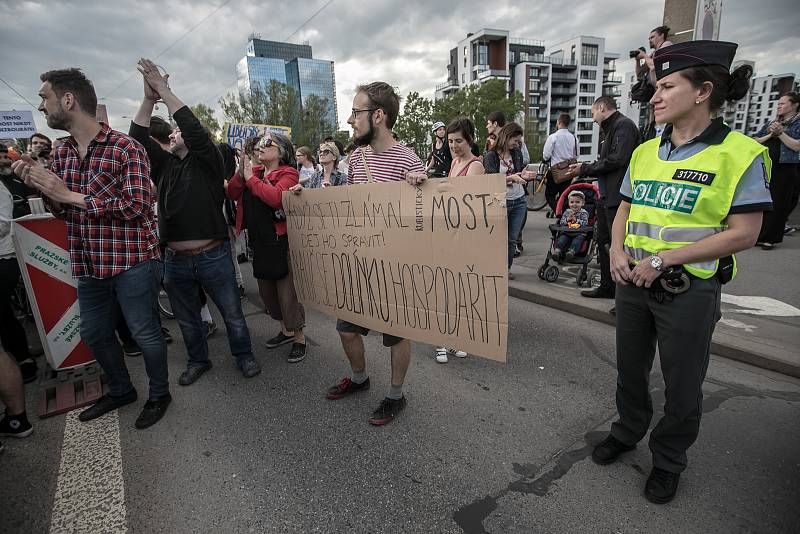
(265, 143)
(355, 112)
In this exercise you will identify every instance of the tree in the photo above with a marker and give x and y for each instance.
(279, 104)
(413, 126)
(206, 117)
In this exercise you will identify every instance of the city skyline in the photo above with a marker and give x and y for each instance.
(411, 51)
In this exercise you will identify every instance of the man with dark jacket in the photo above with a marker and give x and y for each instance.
(619, 138)
(190, 179)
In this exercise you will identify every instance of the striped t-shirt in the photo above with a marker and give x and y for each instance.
(388, 166)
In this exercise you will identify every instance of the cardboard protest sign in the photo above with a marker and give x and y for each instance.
(16, 124)
(427, 263)
(237, 134)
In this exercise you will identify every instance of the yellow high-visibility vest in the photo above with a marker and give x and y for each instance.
(675, 203)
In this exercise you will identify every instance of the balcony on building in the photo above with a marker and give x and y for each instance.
(612, 79)
(561, 104)
(564, 91)
(612, 91)
(450, 86)
(564, 77)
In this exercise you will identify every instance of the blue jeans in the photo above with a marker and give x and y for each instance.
(136, 290)
(213, 271)
(574, 242)
(517, 209)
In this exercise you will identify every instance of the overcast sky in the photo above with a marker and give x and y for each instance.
(404, 43)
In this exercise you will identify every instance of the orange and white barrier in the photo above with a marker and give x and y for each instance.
(41, 246)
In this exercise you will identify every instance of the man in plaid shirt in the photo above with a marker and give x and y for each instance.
(99, 183)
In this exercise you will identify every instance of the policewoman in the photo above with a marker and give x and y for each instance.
(691, 199)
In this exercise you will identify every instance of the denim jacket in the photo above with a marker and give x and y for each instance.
(793, 130)
(337, 178)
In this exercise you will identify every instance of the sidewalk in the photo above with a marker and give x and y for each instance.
(760, 321)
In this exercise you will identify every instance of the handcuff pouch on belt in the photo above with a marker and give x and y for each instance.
(672, 281)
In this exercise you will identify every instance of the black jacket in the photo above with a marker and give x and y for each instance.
(619, 137)
(190, 190)
(491, 161)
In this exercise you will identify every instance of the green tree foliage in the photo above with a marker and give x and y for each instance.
(206, 117)
(413, 127)
(474, 102)
(279, 104)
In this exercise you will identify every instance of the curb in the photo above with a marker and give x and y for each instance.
(732, 352)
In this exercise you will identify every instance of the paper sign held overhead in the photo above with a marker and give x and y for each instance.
(16, 124)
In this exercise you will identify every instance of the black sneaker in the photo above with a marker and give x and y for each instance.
(249, 367)
(15, 426)
(661, 486)
(279, 340)
(29, 370)
(298, 353)
(106, 404)
(345, 388)
(152, 412)
(191, 374)
(387, 410)
(131, 349)
(609, 450)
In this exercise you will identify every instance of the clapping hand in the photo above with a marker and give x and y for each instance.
(154, 83)
(39, 178)
(775, 129)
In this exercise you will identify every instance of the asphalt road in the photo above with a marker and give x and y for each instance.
(482, 447)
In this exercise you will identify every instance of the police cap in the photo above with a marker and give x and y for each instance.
(693, 54)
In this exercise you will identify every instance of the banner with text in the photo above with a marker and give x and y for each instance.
(16, 124)
(427, 263)
(237, 134)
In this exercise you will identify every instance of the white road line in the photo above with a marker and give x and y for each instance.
(90, 493)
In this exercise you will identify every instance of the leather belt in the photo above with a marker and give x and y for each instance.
(198, 250)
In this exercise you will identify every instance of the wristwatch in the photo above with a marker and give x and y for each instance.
(656, 262)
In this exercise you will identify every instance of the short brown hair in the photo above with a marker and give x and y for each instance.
(463, 126)
(564, 119)
(75, 82)
(383, 96)
(607, 102)
(160, 129)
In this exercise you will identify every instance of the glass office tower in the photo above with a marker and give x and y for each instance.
(290, 64)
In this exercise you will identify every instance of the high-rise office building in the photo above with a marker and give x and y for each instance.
(289, 64)
(563, 78)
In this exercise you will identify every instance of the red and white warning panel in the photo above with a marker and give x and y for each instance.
(41, 245)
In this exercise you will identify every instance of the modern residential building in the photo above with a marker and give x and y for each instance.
(563, 78)
(290, 64)
(762, 100)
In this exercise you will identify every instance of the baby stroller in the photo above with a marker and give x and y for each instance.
(591, 193)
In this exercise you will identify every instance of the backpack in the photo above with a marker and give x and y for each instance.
(642, 91)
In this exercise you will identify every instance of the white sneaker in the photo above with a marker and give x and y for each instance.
(457, 353)
(441, 354)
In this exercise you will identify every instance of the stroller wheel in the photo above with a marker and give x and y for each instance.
(542, 269)
(551, 273)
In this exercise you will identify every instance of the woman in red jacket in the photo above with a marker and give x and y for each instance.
(259, 188)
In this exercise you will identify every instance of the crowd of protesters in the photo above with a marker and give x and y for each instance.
(131, 203)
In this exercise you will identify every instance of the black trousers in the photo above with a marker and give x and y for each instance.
(605, 219)
(782, 187)
(552, 190)
(682, 329)
(12, 333)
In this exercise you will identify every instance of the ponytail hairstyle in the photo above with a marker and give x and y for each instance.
(726, 87)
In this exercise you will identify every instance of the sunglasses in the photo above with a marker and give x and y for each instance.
(265, 143)
(324, 152)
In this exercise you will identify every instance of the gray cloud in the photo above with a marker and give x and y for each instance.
(406, 44)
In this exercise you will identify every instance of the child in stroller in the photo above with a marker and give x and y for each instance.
(574, 218)
(566, 232)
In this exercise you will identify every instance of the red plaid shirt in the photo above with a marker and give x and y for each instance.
(117, 228)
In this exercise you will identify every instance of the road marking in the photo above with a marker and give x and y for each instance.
(90, 492)
(733, 323)
(760, 306)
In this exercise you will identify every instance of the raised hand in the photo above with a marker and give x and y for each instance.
(157, 83)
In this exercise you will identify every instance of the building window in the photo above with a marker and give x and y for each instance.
(587, 88)
(572, 55)
(584, 126)
(483, 54)
(585, 101)
(586, 150)
(584, 113)
(533, 85)
(589, 54)
(462, 80)
(588, 75)
(585, 138)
